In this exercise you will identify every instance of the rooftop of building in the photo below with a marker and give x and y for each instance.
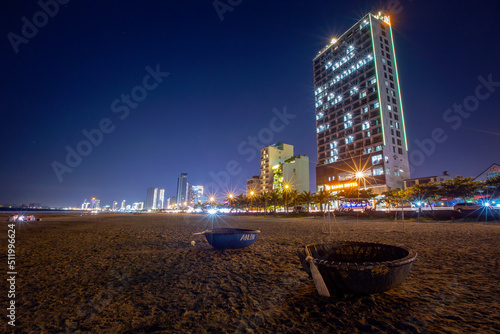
(445, 173)
(386, 18)
(296, 157)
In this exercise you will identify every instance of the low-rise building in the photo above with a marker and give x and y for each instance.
(293, 172)
(271, 156)
(408, 183)
(253, 184)
(488, 173)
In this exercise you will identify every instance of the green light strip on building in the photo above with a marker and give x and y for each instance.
(378, 82)
(399, 90)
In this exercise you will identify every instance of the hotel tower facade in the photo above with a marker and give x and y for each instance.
(360, 125)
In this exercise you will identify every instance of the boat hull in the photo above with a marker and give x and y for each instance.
(231, 238)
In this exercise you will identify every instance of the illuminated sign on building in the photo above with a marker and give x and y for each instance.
(493, 172)
(340, 186)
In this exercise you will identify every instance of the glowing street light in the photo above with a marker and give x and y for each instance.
(360, 175)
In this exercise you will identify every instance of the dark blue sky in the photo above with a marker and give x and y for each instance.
(225, 78)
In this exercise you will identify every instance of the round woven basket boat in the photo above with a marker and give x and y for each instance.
(359, 267)
(231, 238)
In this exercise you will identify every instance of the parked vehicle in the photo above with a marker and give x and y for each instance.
(466, 206)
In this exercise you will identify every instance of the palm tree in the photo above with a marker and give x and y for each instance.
(332, 197)
(259, 202)
(275, 198)
(241, 200)
(321, 197)
(306, 198)
(264, 198)
(293, 195)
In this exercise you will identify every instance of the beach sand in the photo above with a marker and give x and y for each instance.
(141, 274)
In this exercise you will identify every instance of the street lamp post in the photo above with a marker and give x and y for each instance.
(251, 200)
(286, 199)
(230, 202)
(361, 175)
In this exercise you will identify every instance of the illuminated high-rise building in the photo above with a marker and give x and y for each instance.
(155, 198)
(95, 204)
(160, 204)
(182, 190)
(138, 206)
(85, 205)
(360, 125)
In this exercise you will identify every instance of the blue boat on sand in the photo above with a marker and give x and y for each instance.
(230, 238)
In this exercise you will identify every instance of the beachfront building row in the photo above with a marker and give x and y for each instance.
(280, 170)
(360, 125)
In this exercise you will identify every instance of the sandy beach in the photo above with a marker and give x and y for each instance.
(141, 274)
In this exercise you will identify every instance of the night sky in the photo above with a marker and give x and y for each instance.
(225, 78)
